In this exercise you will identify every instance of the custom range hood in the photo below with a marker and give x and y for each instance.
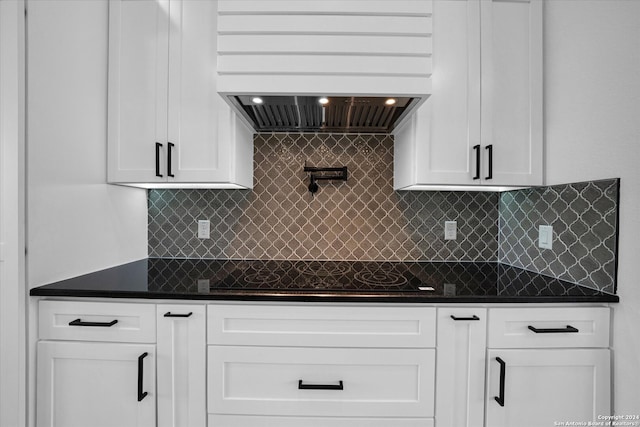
(356, 54)
(344, 114)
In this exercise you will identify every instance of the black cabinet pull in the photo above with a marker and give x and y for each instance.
(568, 329)
(503, 372)
(170, 314)
(474, 317)
(171, 145)
(141, 394)
(477, 150)
(79, 322)
(490, 149)
(158, 147)
(339, 386)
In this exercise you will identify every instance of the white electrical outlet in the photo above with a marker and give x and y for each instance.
(450, 230)
(545, 237)
(204, 229)
(449, 290)
(203, 285)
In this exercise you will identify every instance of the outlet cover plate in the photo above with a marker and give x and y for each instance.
(545, 237)
(204, 229)
(450, 230)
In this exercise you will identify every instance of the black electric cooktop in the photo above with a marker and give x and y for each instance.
(327, 276)
(323, 281)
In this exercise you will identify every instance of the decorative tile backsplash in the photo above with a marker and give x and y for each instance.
(361, 219)
(584, 217)
(365, 219)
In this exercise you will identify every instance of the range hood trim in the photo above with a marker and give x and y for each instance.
(327, 85)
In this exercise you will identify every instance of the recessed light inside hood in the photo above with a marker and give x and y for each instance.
(323, 114)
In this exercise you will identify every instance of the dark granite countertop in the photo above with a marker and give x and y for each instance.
(323, 281)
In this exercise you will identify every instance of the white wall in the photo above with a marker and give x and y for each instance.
(76, 222)
(592, 120)
(13, 387)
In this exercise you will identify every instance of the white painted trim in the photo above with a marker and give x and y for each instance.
(13, 312)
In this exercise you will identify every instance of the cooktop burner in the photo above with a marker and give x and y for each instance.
(319, 275)
(380, 277)
(262, 277)
(323, 269)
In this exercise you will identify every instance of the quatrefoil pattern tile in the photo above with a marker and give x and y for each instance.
(362, 219)
(584, 217)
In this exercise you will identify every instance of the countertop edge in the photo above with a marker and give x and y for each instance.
(318, 297)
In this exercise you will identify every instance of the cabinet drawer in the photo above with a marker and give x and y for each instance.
(351, 382)
(549, 327)
(299, 326)
(95, 321)
(266, 421)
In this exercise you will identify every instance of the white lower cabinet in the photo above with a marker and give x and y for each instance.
(535, 388)
(462, 340)
(547, 365)
(93, 384)
(96, 365)
(357, 382)
(181, 364)
(115, 364)
(317, 366)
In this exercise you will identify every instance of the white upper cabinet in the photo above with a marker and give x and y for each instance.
(168, 127)
(511, 92)
(138, 37)
(482, 124)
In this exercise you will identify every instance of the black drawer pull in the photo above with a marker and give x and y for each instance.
(79, 322)
(568, 329)
(474, 317)
(170, 314)
(503, 373)
(302, 386)
(141, 394)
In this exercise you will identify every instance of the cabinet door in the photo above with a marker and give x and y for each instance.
(138, 73)
(95, 384)
(546, 386)
(482, 124)
(438, 140)
(181, 366)
(193, 121)
(511, 68)
(460, 367)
